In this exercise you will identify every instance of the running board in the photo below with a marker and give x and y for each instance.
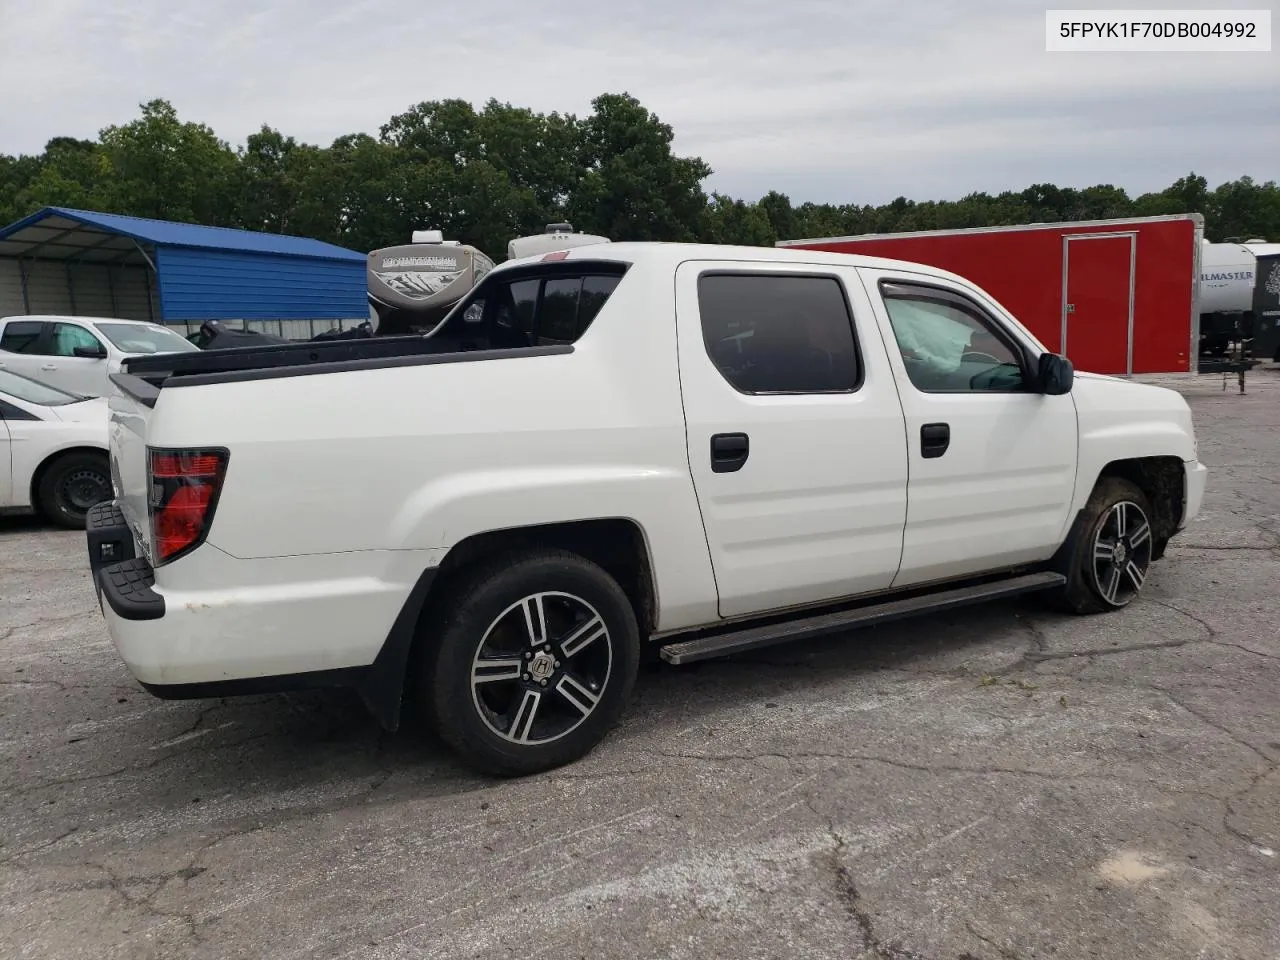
(753, 638)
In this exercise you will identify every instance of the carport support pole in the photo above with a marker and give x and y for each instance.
(146, 278)
(71, 289)
(22, 278)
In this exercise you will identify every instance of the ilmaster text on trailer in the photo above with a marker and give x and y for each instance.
(1114, 296)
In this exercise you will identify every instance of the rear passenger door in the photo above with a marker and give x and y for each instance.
(795, 433)
(23, 347)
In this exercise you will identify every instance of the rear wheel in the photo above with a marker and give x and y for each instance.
(535, 655)
(71, 485)
(1114, 551)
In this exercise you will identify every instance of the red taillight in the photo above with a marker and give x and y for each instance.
(184, 491)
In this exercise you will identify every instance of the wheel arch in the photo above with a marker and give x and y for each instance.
(618, 545)
(44, 466)
(1163, 480)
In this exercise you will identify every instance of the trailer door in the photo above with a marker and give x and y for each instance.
(1097, 301)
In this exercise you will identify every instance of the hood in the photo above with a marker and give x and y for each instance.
(83, 412)
(1141, 396)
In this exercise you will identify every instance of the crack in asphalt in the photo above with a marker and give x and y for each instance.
(851, 899)
(1230, 810)
(934, 768)
(1214, 636)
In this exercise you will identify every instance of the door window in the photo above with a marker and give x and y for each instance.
(949, 344)
(68, 336)
(779, 333)
(21, 336)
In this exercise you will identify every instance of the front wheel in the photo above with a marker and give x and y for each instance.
(535, 656)
(1114, 552)
(73, 484)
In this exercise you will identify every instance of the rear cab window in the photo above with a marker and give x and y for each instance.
(537, 306)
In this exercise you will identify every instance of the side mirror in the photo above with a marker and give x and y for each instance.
(1056, 374)
(89, 353)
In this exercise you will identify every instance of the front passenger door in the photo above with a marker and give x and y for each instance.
(992, 465)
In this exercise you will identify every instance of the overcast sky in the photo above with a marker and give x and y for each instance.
(826, 100)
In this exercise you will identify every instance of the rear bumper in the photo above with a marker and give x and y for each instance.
(121, 578)
(215, 625)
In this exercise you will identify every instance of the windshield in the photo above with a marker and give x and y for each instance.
(33, 392)
(144, 338)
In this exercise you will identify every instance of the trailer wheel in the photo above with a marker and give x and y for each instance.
(1113, 552)
(534, 657)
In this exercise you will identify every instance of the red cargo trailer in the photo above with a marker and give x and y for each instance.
(1115, 296)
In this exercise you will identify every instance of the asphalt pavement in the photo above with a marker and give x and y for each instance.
(996, 783)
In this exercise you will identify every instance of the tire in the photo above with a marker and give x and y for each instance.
(1093, 584)
(530, 708)
(71, 485)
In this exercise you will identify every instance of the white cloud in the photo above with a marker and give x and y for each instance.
(824, 99)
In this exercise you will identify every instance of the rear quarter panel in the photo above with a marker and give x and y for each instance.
(421, 457)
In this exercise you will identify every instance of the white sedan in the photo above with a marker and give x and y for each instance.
(53, 451)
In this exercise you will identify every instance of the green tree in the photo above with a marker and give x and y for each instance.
(16, 173)
(633, 186)
(1245, 209)
(725, 220)
(269, 181)
(70, 173)
(485, 175)
(164, 168)
(782, 219)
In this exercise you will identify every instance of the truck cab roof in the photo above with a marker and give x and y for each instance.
(664, 254)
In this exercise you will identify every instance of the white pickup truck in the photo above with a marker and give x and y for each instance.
(682, 449)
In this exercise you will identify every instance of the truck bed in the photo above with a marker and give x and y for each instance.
(142, 378)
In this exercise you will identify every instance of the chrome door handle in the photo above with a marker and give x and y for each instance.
(48, 366)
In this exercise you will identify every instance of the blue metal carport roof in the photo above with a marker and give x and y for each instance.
(203, 272)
